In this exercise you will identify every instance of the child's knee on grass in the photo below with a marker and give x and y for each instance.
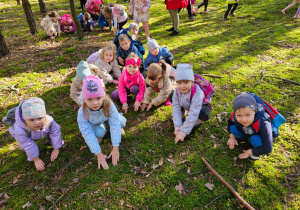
(99, 130)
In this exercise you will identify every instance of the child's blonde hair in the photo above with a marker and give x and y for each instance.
(109, 46)
(132, 55)
(105, 106)
(87, 16)
(123, 37)
(156, 69)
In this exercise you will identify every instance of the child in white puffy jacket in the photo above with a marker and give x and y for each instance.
(51, 24)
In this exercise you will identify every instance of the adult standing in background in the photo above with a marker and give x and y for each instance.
(174, 6)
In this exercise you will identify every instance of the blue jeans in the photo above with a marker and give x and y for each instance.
(100, 129)
(255, 140)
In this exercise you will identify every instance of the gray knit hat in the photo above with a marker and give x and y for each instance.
(132, 25)
(244, 100)
(184, 71)
(151, 44)
(83, 70)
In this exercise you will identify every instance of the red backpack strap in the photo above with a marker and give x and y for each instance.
(193, 92)
(87, 116)
(231, 116)
(255, 125)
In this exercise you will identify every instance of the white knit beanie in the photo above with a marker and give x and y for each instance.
(184, 71)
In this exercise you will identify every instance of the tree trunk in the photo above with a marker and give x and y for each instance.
(76, 21)
(43, 9)
(18, 2)
(3, 47)
(29, 16)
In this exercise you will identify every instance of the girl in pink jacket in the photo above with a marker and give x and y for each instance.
(93, 7)
(131, 82)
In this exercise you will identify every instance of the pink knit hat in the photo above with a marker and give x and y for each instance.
(33, 108)
(92, 87)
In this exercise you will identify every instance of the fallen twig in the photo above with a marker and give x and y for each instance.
(141, 162)
(212, 75)
(240, 199)
(287, 80)
(54, 204)
(206, 205)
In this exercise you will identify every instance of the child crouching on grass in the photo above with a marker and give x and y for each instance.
(187, 96)
(51, 24)
(131, 82)
(31, 124)
(82, 71)
(251, 121)
(159, 80)
(97, 108)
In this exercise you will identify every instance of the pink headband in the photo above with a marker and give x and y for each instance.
(134, 62)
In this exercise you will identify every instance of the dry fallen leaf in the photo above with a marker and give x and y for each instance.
(106, 184)
(189, 170)
(164, 191)
(171, 161)
(49, 197)
(161, 161)
(154, 166)
(234, 158)
(143, 171)
(121, 202)
(179, 188)
(27, 205)
(75, 180)
(170, 156)
(209, 186)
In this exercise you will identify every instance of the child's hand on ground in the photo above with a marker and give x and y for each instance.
(136, 105)
(176, 132)
(104, 28)
(115, 155)
(39, 164)
(232, 142)
(58, 34)
(102, 161)
(149, 106)
(115, 81)
(178, 137)
(125, 108)
(246, 154)
(144, 106)
(92, 28)
(54, 154)
(121, 60)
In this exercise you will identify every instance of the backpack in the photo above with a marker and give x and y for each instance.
(204, 85)
(93, 57)
(139, 46)
(10, 119)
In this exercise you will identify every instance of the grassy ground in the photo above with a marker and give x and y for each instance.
(259, 42)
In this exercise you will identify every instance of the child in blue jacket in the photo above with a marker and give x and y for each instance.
(96, 109)
(251, 121)
(157, 53)
(126, 47)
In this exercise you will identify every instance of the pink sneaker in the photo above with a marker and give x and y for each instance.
(168, 103)
(283, 11)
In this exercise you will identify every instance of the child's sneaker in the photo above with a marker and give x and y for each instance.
(192, 18)
(283, 11)
(254, 158)
(205, 12)
(296, 17)
(225, 18)
(196, 10)
(232, 15)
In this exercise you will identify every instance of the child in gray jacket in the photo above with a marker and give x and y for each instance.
(187, 96)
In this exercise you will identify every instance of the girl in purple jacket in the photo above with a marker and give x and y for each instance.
(32, 123)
